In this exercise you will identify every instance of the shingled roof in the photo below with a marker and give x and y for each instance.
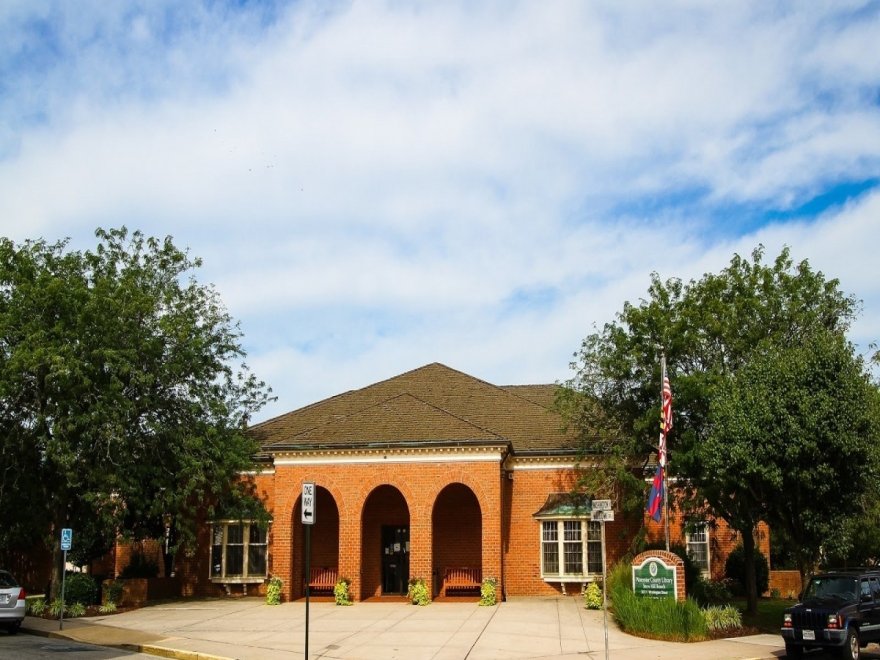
(430, 405)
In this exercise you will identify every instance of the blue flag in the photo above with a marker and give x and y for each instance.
(655, 498)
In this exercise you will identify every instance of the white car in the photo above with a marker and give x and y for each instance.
(12, 603)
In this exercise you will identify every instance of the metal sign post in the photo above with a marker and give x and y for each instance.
(308, 519)
(602, 512)
(66, 544)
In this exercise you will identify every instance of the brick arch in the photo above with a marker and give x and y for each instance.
(325, 537)
(465, 478)
(359, 499)
(381, 572)
(457, 539)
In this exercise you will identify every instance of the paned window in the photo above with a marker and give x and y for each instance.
(698, 547)
(238, 551)
(574, 546)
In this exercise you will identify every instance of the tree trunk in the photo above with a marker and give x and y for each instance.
(749, 565)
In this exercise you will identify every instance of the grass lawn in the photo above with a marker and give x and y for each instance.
(769, 616)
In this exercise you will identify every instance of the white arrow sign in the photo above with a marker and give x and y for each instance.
(308, 503)
(602, 516)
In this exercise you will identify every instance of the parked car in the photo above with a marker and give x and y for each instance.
(12, 603)
(839, 611)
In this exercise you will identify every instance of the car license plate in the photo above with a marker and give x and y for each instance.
(810, 635)
(4, 598)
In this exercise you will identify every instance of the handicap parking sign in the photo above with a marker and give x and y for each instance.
(66, 538)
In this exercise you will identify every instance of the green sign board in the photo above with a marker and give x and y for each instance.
(655, 579)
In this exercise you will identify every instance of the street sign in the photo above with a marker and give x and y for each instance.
(601, 505)
(308, 503)
(602, 516)
(66, 538)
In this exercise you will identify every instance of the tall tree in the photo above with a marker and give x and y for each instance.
(123, 396)
(708, 329)
(797, 427)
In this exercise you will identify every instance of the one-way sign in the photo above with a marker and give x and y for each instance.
(308, 503)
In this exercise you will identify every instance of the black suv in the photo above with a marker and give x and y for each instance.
(839, 610)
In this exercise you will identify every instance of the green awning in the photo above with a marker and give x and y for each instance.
(565, 505)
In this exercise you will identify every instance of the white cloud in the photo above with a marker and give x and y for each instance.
(376, 186)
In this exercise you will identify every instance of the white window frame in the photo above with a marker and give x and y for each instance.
(222, 527)
(566, 529)
(693, 539)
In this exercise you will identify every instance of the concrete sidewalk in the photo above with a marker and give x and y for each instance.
(248, 629)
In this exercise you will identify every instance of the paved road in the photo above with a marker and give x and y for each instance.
(28, 647)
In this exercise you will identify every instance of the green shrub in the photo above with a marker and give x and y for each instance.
(75, 610)
(735, 569)
(725, 618)
(342, 592)
(418, 592)
(489, 592)
(80, 588)
(36, 605)
(710, 592)
(140, 567)
(593, 596)
(273, 591)
(107, 608)
(56, 607)
(113, 591)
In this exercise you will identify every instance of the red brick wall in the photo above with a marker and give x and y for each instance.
(722, 539)
(457, 531)
(456, 513)
(419, 485)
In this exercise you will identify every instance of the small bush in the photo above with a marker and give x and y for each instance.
(342, 592)
(725, 618)
(140, 567)
(710, 592)
(418, 592)
(593, 596)
(735, 569)
(75, 610)
(273, 591)
(113, 592)
(80, 588)
(489, 592)
(107, 608)
(56, 608)
(36, 606)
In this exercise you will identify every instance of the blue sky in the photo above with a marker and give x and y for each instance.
(375, 186)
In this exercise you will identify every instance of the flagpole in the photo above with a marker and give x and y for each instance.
(665, 451)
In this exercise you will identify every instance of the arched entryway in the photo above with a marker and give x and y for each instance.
(384, 543)
(324, 544)
(457, 541)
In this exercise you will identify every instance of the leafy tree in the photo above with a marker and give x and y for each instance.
(797, 427)
(708, 329)
(123, 398)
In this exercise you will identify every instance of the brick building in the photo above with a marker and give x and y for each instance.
(420, 476)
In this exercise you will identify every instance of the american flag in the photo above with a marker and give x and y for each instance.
(665, 419)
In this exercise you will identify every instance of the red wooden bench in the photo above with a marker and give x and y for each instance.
(461, 578)
(323, 579)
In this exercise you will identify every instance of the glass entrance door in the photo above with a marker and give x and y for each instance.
(395, 559)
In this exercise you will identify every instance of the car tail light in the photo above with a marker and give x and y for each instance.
(22, 594)
(786, 620)
(835, 621)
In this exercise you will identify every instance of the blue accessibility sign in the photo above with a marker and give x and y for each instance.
(66, 538)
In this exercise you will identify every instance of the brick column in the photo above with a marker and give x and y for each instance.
(421, 542)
